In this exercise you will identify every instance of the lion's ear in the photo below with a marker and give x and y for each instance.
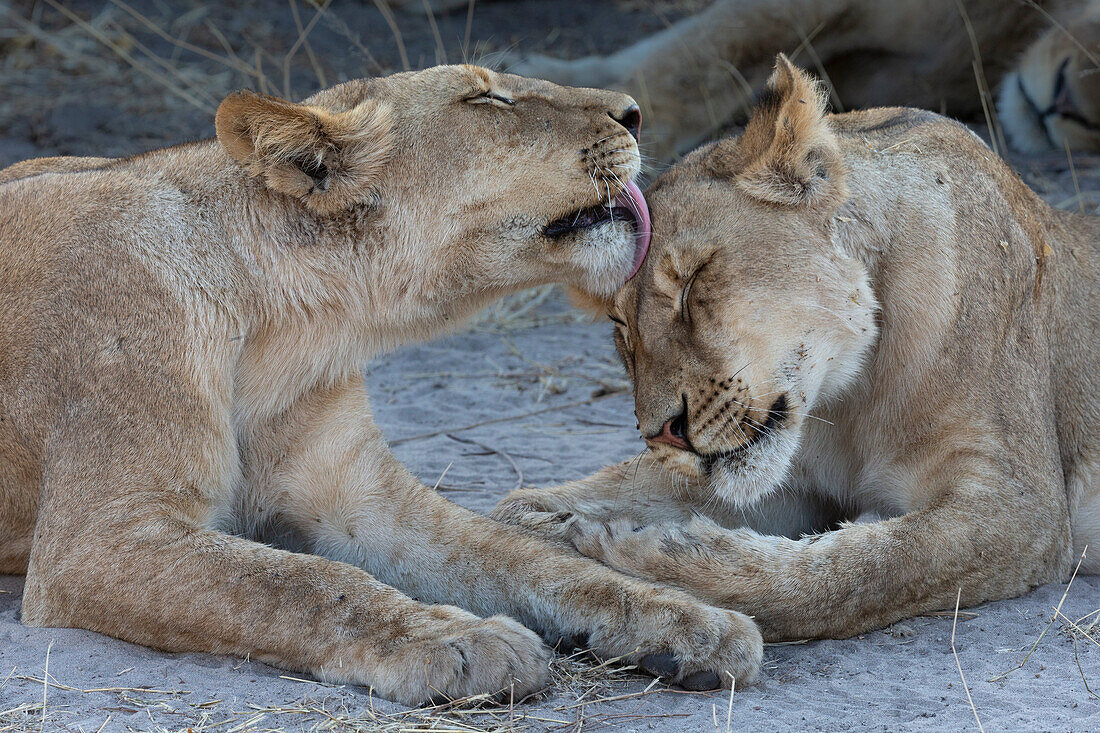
(788, 154)
(329, 160)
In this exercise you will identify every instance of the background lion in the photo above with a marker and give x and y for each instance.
(702, 72)
(866, 312)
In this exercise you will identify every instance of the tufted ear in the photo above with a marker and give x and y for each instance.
(328, 160)
(788, 154)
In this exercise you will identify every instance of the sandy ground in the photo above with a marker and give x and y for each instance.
(540, 385)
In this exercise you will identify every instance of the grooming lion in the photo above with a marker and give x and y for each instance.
(849, 314)
(181, 341)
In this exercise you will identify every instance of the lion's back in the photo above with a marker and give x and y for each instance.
(58, 164)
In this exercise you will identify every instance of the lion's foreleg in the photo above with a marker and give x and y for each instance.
(123, 546)
(853, 579)
(638, 489)
(353, 501)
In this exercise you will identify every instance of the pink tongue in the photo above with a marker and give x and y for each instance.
(632, 198)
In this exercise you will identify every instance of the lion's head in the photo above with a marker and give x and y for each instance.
(1052, 99)
(745, 314)
(484, 182)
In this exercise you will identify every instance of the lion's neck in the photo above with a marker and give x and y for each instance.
(317, 297)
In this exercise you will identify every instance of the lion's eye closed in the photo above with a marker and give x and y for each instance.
(685, 296)
(490, 97)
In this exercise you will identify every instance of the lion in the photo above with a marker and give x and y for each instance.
(862, 316)
(701, 73)
(188, 458)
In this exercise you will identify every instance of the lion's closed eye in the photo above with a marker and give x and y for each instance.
(685, 294)
(490, 97)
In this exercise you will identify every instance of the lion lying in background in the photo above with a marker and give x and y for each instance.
(702, 72)
(864, 312)
(181, 341)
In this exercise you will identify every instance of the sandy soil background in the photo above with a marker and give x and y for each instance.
(532, 393)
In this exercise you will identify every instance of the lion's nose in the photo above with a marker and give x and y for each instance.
(674, 432)
(631, 119)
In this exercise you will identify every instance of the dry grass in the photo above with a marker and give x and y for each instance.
(580, 685)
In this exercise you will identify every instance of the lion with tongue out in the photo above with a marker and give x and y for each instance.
(181, 339)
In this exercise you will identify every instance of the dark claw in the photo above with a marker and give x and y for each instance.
(701, 681)
(660, 665)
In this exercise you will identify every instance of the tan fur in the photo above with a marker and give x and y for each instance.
(918, 343)
(182, 410)
(701, 72)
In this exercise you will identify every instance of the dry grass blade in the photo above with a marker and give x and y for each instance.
(808, 45)
(496, 451)
(440, 49)
(45, 681)
(988, 107)
(958, 664)
(303, 34)
(1075, 630)
(1057, 611)
(1082, 671)
(469, 27)
(729, 710)
(232, 61)
(164, 64)
(128, 58)
(964, 615)
(45, 685)
(1073, 174)
(1054, 21)
(387, 15)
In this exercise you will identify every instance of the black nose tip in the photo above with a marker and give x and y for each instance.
(631, 119)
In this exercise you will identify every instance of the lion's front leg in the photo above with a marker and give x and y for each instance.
(851, 580)
(707, 560)
(640, 492)
(637, 490)
(353, 501)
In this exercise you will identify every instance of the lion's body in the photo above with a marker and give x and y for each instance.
(990, 305)
(181, 342)
(929, 324)
(702, 72)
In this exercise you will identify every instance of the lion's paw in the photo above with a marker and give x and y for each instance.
(695, 646)
(537, 511)
(467, 656)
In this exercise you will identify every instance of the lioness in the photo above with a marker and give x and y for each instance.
(840, 314)
(181, 342)
(701, 73)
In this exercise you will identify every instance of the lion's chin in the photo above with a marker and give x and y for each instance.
(744, 478)
(605, 257)
(612, 240)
